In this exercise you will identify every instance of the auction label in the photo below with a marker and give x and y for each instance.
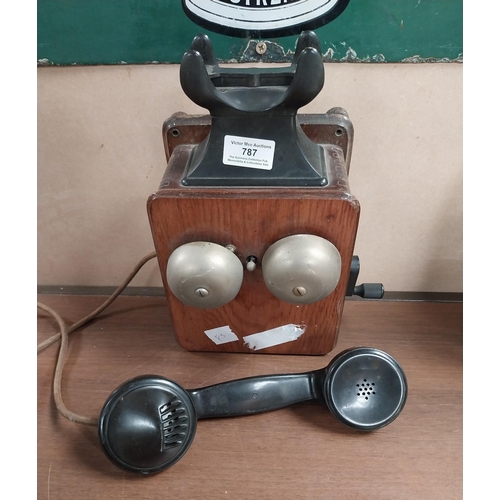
(248, 152)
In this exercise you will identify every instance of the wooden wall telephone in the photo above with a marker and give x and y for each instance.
(254, 223)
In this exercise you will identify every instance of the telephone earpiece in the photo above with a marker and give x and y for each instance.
(149, 422)
(204, 275)
(301, 269)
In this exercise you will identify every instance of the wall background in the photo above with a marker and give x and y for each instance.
(100, 155)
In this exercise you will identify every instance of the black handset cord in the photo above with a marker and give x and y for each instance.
(63, 335)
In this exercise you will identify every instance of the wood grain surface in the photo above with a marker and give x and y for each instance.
(252, 219)
(300, 452)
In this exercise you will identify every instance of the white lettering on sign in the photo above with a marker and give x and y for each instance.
(248, 152)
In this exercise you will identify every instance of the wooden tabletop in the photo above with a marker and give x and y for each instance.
(300, 452)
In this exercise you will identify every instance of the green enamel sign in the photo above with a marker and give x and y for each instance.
(90, 32)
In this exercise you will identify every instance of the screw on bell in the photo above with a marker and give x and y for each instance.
(299, 291)
(201, 292)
